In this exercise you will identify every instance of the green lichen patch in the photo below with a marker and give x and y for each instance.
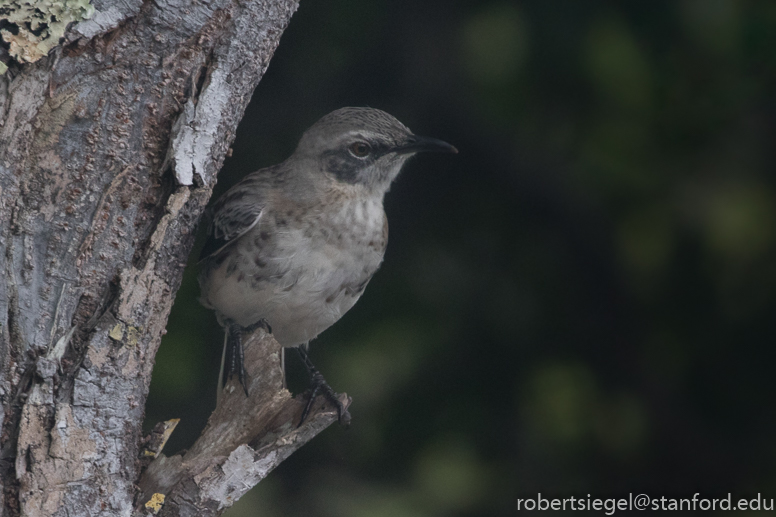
(117, 332)
(37, 26)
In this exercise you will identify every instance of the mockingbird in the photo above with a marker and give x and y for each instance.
(292, 246)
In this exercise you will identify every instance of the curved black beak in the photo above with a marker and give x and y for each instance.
(419, 144)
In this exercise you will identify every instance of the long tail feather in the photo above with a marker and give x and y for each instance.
(220, 387)
(283, 365)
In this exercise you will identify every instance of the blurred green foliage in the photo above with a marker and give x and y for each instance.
(581, 301)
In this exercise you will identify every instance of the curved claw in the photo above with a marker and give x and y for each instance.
(319, 384)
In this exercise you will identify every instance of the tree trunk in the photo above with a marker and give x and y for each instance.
(109, 147)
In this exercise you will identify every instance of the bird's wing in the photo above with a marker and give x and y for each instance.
(233, 215)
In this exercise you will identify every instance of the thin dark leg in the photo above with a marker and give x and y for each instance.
(319, 384)
(234, 359)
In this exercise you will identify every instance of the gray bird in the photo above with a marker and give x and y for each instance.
(293, 246)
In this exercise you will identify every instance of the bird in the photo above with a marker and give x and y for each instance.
(292, 247)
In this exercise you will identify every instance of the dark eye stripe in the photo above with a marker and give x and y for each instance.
(343, 165)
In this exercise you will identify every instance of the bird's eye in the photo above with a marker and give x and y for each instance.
(360, 149)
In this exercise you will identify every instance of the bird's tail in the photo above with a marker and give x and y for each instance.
(283, 365)
(220, 386)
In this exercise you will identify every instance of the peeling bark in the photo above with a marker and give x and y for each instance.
(109, 149)
(245, 438)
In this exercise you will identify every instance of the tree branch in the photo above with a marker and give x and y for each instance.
(245, 438)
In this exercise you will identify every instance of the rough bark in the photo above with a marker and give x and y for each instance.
(109, 149)
(245, 438)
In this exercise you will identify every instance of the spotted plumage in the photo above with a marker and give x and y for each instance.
(296, 244)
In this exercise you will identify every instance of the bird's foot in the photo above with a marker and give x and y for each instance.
(319, 385)
(235, 357)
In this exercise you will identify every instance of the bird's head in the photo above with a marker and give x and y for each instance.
(363, 146)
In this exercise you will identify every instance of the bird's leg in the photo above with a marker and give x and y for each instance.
(234, 360)
(319, 384)
(234, 356)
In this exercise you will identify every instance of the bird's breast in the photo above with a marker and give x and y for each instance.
(301, 269)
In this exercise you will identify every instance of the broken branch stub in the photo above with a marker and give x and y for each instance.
(244, 440)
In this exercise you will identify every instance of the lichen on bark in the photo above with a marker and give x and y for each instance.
(37, 26)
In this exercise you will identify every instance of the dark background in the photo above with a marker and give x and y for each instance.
(580, 302)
